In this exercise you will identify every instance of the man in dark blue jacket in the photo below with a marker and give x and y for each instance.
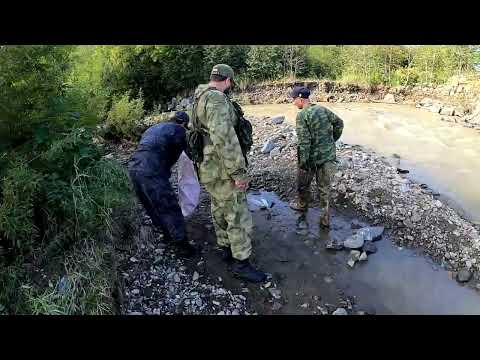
(150, 170)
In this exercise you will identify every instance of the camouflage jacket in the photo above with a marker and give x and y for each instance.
(222, 155)
(317, 130)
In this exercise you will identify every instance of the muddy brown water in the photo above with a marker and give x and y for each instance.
(443, 155)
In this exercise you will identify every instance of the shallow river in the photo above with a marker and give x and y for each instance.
(445, 156)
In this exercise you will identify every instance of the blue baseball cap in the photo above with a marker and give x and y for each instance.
(301, 92)
(182, 118)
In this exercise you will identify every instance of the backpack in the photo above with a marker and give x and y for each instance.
(244, 131)
(195, 136)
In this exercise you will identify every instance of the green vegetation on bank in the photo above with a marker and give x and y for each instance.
(60, 198)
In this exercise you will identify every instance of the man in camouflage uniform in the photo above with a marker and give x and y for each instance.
(317, 130)
(223, 172)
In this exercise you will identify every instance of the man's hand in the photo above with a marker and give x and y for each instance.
(241, 185)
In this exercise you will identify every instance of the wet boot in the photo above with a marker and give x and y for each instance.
(325, 219)
(298, 205)
(184, 249)
(244, 270)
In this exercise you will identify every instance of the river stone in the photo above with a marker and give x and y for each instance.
(389, 99)
(277, 120)
(275, 153)
(464, 276)
(435, 108)
(449, 111)
(340, 311)
(268, 146)
(354, 242)
(355, 255)
(369, 247)
(425, 102)
(371, 233)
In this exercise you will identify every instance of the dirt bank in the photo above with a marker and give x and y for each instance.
(457, 102)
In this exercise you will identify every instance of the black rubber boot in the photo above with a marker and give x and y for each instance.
(226, 254)
(245, 271)
(184, 249)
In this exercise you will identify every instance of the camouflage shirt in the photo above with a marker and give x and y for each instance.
(222, 155)
(317, 129)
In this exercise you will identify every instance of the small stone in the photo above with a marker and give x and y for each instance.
(135, 291)
(332, 245)
(276, 306)
(363, 257)
(221, 313)
(355, 255)
(277, 120)
(268, 146)
(438, 203)
(195, 276)
(216, 303)
(340, 311)
(328, 279)
(235, 312)
(275, 293)
(176, 278)
(199, 302)
(389, 99)
(268, 284)
(304, 306)
(133, 259)
(464, 276)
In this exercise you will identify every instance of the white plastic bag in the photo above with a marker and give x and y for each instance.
(188, 185)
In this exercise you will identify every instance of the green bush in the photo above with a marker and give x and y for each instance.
(20, 188)
(264, 62)
(123, 117)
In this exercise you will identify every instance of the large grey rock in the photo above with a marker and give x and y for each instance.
(354, 242)
(449, 111)
(277, 120)
(268, 146)
(371, 233)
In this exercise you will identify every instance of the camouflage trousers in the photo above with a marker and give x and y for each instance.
(231, 218)
(324, 174)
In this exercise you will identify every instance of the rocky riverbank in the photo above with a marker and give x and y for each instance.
(377, 191)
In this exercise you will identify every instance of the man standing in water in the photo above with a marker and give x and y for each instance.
(317, 130)
(222, 170)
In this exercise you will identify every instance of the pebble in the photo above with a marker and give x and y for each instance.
(195, 276)
(464, 276)
(135, 291)
(275, 293)
(176, 278)
(304, 306)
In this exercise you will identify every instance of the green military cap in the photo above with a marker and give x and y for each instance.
(223, 70)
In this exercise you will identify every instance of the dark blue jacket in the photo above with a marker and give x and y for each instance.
(159, 149)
